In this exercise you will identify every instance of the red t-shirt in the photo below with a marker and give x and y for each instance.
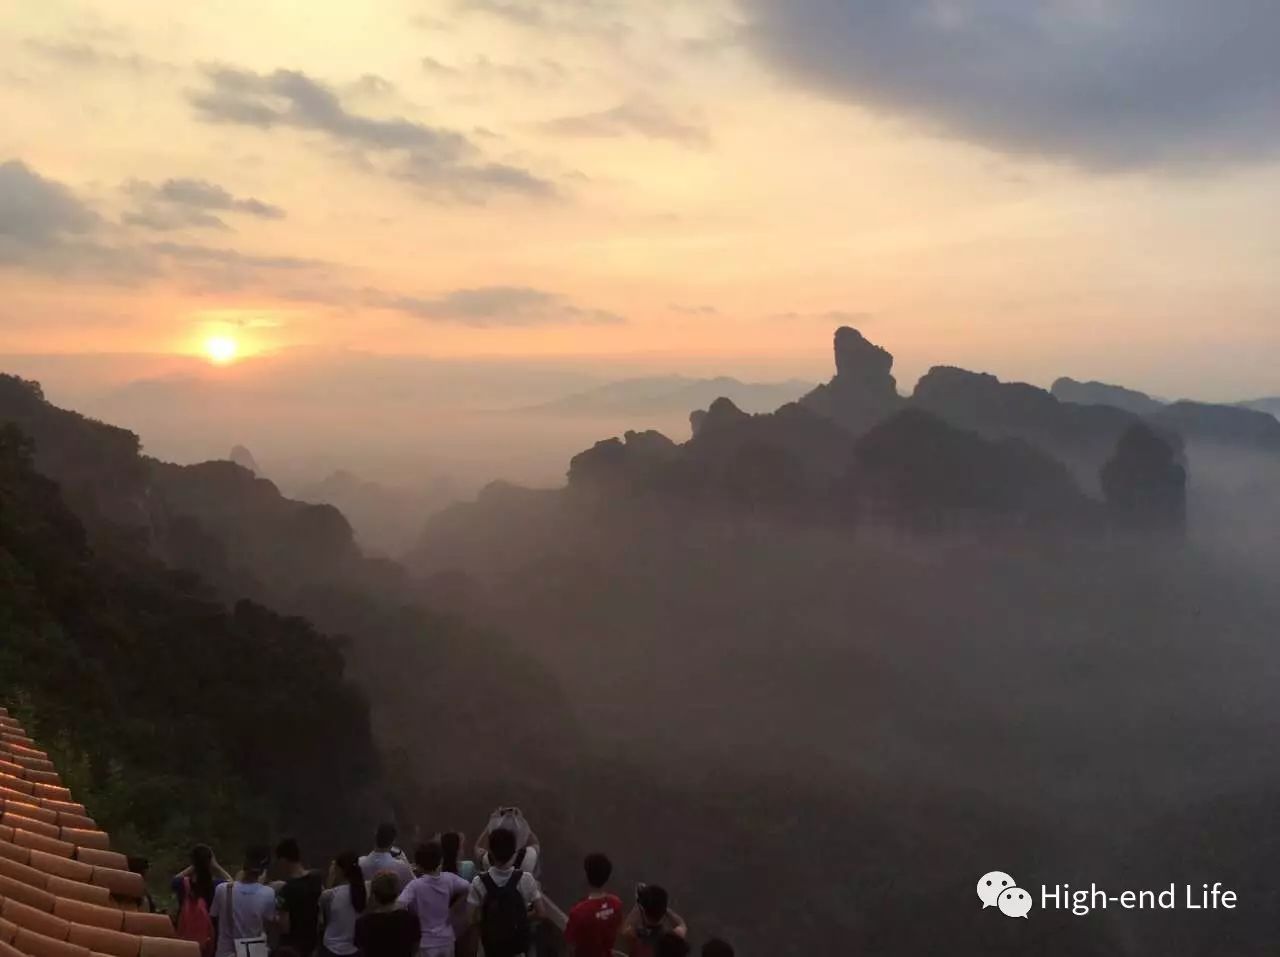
(593, 925)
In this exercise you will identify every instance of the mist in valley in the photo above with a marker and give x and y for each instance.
(816, 452)
(896, 638)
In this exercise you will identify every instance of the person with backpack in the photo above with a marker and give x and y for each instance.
(649, 920)
(594, 920)
(527, 844)
(244, 907)
(501, 899)
(385, 856)
(298, 900)
(341, 905)
(432, 897)
(194, 888)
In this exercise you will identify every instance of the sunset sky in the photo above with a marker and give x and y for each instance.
(1083, 187)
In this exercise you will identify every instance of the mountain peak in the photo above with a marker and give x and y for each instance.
(863, 391)
(244, 458)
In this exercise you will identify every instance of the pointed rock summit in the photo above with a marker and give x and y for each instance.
(858, 358)
(244, 458)
(863, 391)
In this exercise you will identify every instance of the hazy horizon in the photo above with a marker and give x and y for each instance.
(697, 186)
(457, 287)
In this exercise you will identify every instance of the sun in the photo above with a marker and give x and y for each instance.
(221, 349)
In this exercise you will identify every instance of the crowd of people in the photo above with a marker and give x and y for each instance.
(439, 904)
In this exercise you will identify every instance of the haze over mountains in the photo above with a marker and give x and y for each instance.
(390, 439)
(920, 590)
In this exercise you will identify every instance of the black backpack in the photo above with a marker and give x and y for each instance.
(504, 918)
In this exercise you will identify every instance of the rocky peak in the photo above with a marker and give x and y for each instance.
(858, 358)
(863, 391)
(244, 458)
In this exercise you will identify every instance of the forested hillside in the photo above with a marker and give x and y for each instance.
(175, 717)
(185, 563)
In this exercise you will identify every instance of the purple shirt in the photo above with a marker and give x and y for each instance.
(429, 897)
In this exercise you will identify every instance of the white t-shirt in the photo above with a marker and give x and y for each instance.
(252, 906)
(428, 897)
(529, 889)
(339, 919)
(376, 862)
(528, 863)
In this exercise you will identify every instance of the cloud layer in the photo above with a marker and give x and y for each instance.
(45, 228)
(1120, 84)
(180, 203)
(495, 306)
(636, 116)
(441, 160)
(38, 212)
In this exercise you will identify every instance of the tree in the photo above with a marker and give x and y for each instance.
(1144, 482)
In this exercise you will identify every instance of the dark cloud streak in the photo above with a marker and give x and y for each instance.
(487, 306)
(184, 203)
(1125, 84)
(46, 229)
(444, 160)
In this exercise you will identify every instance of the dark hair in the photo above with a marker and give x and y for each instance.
(349, 865)
(288, 850)
(450, 848)
(385, 836)
(671, 944)
(256, 858)
(502, 845)
(428, 856)
(139, 865)
(202, 870)
(385, 887)
(716, 947)
(653, 901)
(599, 869)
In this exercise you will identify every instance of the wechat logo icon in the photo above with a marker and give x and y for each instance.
(997, 889)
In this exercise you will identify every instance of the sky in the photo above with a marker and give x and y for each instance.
(1029, 187)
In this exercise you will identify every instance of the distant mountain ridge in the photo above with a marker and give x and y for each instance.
(964, 450)
(1248, 424)
(1270, 405)
(377, 511)
(656, 395)
(1067, 389)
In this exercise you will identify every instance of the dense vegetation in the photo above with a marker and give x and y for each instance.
(210, 699)
(171, 716)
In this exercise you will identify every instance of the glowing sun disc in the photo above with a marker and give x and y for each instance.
(220, 349)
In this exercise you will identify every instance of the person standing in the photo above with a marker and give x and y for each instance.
(298, 900)
(202, 875)
(649, 920)
(194, 887)
(385, 929)
(244, 907)
(341, 904)
(454, 846)
(433, 897)
(594, 921)
(501, 899)
(385, 856)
